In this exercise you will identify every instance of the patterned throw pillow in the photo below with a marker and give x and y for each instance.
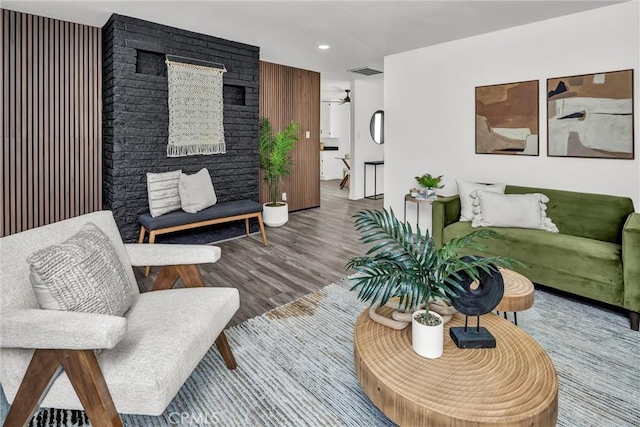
(162, 189)
(83, 274)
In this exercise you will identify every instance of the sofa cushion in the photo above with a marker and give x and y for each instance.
(595, 216)
(511, 210)
(597, 263)
(82, 274)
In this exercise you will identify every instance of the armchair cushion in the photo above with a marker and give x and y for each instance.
(37, 328)
(161, 255)
(168, 334)
(82, 273)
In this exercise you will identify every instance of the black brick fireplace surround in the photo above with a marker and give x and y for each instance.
(136, 121)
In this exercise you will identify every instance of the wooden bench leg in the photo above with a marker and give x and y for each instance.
(225, 351)
(85, 375)
(142, 233)
(264, 234)
(152, 239)
(169, 274)
(246, 226)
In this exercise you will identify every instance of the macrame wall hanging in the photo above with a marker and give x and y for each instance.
(195, 110)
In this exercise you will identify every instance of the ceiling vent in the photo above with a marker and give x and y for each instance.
(365, 71)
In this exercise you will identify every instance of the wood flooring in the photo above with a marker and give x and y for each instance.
(308, 253)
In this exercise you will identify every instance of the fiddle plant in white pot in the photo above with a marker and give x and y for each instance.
(276, 162)
(409, 267)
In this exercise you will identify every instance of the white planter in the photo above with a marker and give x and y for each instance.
(275, 216)
(427, 341)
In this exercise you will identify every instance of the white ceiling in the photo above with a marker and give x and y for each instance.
(360, 33)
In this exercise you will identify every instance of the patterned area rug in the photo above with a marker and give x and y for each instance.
(295, 368)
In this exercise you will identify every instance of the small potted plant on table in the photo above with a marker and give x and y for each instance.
(409, 267)
(430, 184)
(276, 163)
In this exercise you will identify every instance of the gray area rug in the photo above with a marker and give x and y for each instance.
(295, 368)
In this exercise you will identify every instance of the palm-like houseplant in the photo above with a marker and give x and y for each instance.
(276, 163)
(401, 264)
(274, 155)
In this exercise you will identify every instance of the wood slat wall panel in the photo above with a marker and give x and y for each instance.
(51, 117)
(287, 94)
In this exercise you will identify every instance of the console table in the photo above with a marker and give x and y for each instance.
(375, 165)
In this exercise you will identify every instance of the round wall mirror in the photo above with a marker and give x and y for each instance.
(376, 127)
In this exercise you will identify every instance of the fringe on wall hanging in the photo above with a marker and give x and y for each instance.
(195, 110)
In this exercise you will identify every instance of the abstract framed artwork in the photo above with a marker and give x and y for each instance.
(591, 115)
(507, 118)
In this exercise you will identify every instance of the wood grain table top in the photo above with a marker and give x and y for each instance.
(514, 384)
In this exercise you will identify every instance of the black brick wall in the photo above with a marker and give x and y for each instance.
(136, 120)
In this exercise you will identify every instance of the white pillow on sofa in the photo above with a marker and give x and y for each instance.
(466, 202)
(196, 191)
(511, 210)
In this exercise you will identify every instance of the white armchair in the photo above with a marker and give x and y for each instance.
(47, 357)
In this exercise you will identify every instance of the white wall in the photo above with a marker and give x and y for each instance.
(367, 98)
(430, 104)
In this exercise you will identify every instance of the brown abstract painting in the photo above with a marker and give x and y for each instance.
(591, 115)
(507, 118)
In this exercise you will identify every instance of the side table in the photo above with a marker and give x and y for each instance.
(418, 202)
(375, 165)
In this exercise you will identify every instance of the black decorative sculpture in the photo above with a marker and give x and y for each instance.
(476, 301)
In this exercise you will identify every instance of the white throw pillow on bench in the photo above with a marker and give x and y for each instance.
(511, 210)
(466, 201)
(162, 190)
(196, 191)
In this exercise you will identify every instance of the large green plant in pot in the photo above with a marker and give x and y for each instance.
(401, 264)
(274, 155)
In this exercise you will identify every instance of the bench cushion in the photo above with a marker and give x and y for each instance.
(219, 210)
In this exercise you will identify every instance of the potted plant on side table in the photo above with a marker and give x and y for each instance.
(409, 267)
(430, 184)
(276, 163)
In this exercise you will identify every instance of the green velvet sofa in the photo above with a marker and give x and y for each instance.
(595, 255)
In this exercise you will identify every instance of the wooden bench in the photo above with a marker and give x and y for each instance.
(216, 214)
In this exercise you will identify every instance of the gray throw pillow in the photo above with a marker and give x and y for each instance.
(83, 274)
(162, 190)
(196, 191)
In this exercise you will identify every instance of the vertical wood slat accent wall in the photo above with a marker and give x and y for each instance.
(51, 116)
(287, 94)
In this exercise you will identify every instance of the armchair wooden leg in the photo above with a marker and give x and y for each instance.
(634, 318)
(152, 239)
(85, 375)
(246, 226)
(35, 384)
(167, 277)
(225, 351)
(189, 273)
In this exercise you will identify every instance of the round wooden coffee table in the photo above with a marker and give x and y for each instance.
(518, 293)
(514, 384)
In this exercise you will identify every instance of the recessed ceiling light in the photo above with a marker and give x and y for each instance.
(323, 46)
